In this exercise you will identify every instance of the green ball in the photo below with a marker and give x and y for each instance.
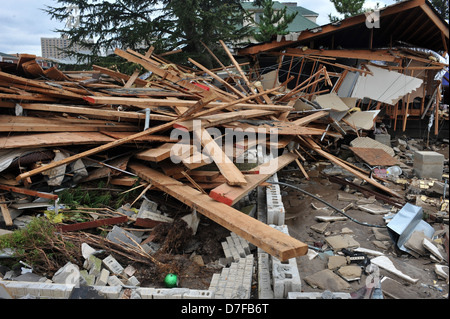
(171, 280)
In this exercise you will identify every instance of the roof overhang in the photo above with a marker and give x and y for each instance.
(414, 22)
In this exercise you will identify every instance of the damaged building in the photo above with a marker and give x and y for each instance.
(315, 166)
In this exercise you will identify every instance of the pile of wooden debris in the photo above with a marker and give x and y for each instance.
(186, 132)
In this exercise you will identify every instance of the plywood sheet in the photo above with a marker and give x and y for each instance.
(374, 156)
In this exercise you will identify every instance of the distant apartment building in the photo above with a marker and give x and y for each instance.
(53, 48)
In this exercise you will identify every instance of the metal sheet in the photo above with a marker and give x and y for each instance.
(405, 222)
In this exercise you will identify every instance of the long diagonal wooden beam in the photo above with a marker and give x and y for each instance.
(269, 239)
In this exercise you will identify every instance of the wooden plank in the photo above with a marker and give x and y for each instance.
(33, 124)
(53, 139)
(98, 149)
(165, 74)
(199, 105)
(5, 212)
(94, 224)
(118, 75)
(38, 84)
(230, 195)
(28, 192)
(337, 161)
(225, 165)
(92, 112)
(154, 102)
(156, 154)
(272, 241)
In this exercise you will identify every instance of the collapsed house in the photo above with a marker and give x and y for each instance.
(211, 138)
(392, 60)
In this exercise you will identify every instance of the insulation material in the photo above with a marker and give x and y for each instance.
(385, 86)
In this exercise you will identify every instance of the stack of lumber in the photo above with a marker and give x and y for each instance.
(100, 114)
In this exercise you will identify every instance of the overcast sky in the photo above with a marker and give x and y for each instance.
(23, 23)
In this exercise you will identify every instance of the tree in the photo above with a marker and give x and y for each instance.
(348, 8)
(137, 24)
(272, 22)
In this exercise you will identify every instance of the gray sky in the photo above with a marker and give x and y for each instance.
(23, 23)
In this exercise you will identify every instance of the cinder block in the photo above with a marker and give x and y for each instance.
(110, 292)
(133, 281)
(285, 275)
(114, 281)
(428, 164)
(384, 139)
(173, 293)
(198, 294)
(319, 295)
(19, 289)
(102, 279)
(265, 290)
(113, 265)
(146, 293)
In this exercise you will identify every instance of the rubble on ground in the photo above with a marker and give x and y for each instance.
(321, 202)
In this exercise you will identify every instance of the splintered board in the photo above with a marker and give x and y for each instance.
(269, 239)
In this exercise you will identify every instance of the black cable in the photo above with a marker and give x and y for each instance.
(328, 204)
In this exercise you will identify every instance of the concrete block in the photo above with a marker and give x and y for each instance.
(146, 293)
(265, 290)
(19, 289)
(384, 139)
(319, 295)
(110, 292)
(285, 275)
(121, 237)
(102, 279)
(198, 294)
(133, 281)
(114, 281)
(173, 293)
(113, 265)
(274, 203)
(428, 164)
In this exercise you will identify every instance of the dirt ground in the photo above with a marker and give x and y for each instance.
(300, 216)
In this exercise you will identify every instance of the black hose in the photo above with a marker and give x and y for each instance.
(328, 204)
